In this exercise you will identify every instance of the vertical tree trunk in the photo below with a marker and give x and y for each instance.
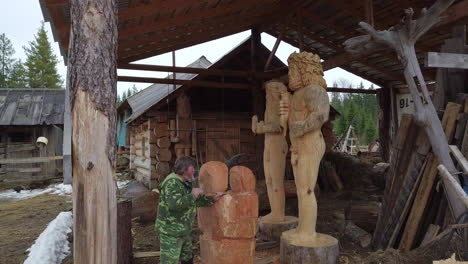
(92, 82)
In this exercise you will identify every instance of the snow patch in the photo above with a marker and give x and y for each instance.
(122, 184)
(52, 246)
(58, 189)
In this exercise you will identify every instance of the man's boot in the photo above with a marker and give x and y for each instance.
(190, 261)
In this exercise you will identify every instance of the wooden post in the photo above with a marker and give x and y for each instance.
(383, 97)
(124, 232)
(275, 47)
(92, 79)
(369, 11)
(258, 102)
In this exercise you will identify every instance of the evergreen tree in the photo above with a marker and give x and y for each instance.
(358, 110)
(6, 60)
(41, 63)
(18, 76)
(134, 90)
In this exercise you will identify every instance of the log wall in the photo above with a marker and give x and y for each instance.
(153, 143)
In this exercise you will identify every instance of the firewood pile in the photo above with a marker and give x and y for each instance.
(414, 209)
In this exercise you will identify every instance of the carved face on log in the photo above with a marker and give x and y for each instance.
(241, 179)
(213, 177)
(305, 69)
(274, 90)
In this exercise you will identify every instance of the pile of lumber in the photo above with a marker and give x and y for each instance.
(414, 210)
(149, 151)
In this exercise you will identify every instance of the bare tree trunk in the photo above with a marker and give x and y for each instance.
(92, 79)
(402, 38)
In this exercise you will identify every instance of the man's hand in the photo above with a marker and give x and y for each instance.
(218, 196)
(197, 191)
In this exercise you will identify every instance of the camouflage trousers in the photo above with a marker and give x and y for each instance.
(174, 249)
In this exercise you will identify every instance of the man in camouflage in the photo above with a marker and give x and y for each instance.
(176, 211)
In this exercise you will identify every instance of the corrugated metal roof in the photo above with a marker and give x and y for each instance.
(25, 107)
(151, 95)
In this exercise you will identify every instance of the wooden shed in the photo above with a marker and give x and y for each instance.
(27, 117)
(207, 123)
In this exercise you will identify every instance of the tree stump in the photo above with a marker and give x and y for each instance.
(272, 231)
(292, 254)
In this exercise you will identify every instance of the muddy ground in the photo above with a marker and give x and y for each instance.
(21, 222)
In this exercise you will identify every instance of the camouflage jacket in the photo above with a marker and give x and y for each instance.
(177, 206)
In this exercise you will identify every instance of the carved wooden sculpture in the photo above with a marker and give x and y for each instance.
(229, 226)
(274, 154)
(307, 112)
(402, 38)
(183, 146)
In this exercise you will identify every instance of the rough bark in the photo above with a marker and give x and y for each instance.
(92, 82)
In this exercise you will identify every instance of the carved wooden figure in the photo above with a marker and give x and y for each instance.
(229, 226)
(276, 148)
(307, 112)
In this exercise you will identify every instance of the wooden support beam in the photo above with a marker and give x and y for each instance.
(184, 82)
(275, 47)
(351, 90)
(199, 71)
(92, 78)
(369, 12)
(446, 60)
(30, 160)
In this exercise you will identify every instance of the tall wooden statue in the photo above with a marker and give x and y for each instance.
(274, 162)
(306, 111)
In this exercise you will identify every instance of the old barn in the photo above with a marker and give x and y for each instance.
(31, 133)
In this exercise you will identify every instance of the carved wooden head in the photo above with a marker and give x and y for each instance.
(213, 177)
(241, 179)
(274, 90)
(305, 69)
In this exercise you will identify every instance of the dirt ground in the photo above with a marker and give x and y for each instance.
(145, 238)
(21, 222)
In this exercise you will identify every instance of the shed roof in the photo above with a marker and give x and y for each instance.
(149, 28)
(28, 107)
(153, 94)
(156, 93)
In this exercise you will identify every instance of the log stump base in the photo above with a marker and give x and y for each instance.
(292, 254)
(270, 231)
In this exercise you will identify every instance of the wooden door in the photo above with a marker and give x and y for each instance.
(222, 143)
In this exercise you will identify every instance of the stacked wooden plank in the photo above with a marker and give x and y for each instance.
(412, 209)
(407, 158)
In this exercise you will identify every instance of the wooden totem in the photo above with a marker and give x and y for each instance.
(230, 225)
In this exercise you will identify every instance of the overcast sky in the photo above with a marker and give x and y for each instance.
(21, 19)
